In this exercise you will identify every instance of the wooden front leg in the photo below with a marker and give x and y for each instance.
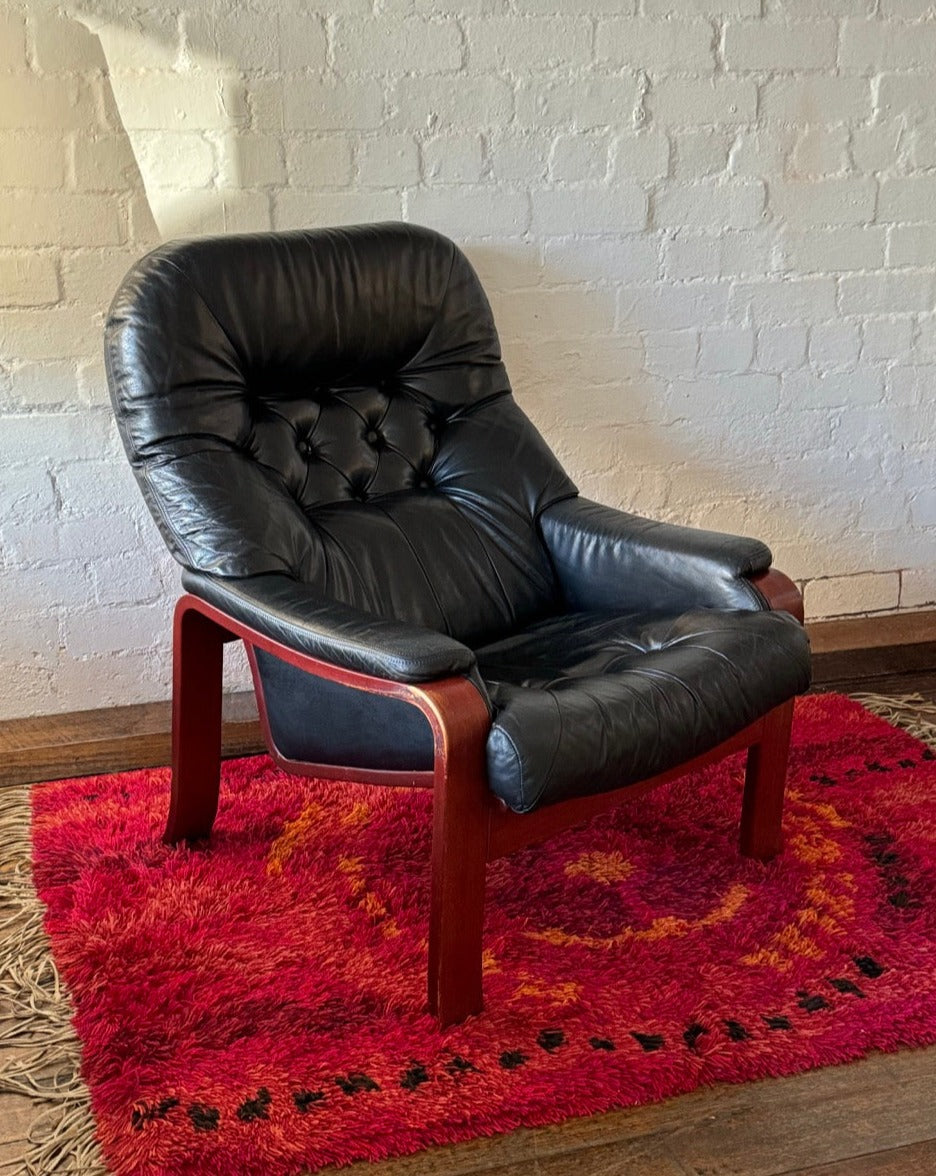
(765, 779)
(461, 806)
(198, 645)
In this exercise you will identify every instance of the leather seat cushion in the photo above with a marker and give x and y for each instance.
(588, 702)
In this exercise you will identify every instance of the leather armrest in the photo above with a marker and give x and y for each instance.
(294, 615)
(609, 560)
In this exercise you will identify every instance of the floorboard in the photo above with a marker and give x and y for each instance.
(875, 1117)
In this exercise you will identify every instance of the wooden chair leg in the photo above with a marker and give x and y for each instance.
(762, 808)
(198, 645)
(460, 807)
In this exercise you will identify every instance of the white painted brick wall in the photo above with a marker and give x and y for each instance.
(708, 230)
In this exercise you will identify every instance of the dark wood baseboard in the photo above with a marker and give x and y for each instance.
(893, 654)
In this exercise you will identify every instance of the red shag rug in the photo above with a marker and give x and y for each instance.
(257, 1006)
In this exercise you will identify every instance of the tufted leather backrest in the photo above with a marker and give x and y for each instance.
(332, 405)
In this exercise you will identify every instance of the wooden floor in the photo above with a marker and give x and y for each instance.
(876, 1117)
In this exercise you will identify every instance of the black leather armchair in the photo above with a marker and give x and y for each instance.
(323, 429)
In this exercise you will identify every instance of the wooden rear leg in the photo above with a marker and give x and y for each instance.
(762, 808)
(198, 645)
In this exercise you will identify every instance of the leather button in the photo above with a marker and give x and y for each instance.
(371, 436)
(305, 449)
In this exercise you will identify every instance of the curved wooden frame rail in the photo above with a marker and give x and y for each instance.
(470, 825)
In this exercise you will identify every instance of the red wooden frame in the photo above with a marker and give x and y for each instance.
(470, 825)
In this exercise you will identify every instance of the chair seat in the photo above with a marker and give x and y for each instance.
(588, 702)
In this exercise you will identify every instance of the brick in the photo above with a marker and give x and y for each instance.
(804, 204)
(873, 45)
(43, 333)
(808, 99)
(587, 103)
(451, 159)
(388, 160)
(310, 210)
(725, 349)
(640, 156)
(876, 147)
(735, 204)
(28, 279)
(700, 153)
(821, 151)
(560, 7)
(251, 161)
(923, 508)
(671, 353)
(150, 40)
(251, 41)
(905, 95)
(26, 438)
(175, 160)
(104, 162)
(320, 163)
(61, 219)
(172, 101)
(579, 157)
(913, 245)
(478, 212)
(699, 102)
(405, 46)
(114, 630)
(908, 198)
(672, 307)
(528, 45)
(48, 103)
(599, 262)
(506, 265)
(706, 7)
(31, 160)
(30, 644)
(918, 587)
(761, 154)
(807, 389)
(897, 292)
(12, 41)
(834, 345)
(911, 385)
(886, 339)
(125, 579)
(770, 46)
(519, 157)
(725, 396)
(921, 146)
(43, 588)
(25, 494)
(835, 249)
(432, 104)
(310, 104)
(717, 255)
(781, 349)
(529, 313)
(784, 301)
(658, 46)
(303, 42)
(47, 384)
(563, 211)
(843, 595)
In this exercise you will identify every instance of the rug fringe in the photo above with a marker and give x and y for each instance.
(912, 712)
(44, 1056)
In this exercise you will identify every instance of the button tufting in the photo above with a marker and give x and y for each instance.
(305, 448)
(371, 436)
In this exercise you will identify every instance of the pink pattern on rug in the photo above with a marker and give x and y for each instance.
(257, 1005)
